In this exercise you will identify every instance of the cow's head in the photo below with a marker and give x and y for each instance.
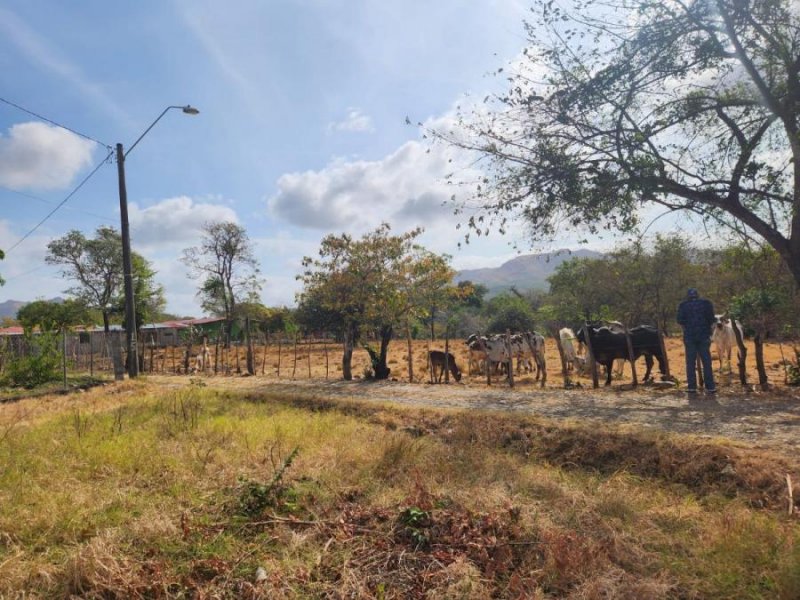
(721, 321)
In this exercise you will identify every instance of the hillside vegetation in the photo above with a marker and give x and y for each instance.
(141, 491)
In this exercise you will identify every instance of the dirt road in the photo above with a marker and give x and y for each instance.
(766, 420)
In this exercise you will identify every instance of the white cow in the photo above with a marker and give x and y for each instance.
(571, 356)
(202, 360)
(723, 338)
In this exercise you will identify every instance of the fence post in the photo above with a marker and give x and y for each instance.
(264, 359)
(631, 356)
(446, 354)
(279, 356)
(663, 345)
(507, 341)
(557, 337)
(294, 364)
(251, 364)
(309, 357)
(592, 361)
(64, 354)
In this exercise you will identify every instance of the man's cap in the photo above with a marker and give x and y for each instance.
(692, 293)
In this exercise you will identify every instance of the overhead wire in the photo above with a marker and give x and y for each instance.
(45, 201)
(62, 203)
(38, 116)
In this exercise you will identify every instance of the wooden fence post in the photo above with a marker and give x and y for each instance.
(325, 346)
(309, 358)
(663, 345)
(631, 356)
(294, 364)
(446, 354)
(64, 354)
(264, 358)
(510, 358)
(564, 374)
(592, 361)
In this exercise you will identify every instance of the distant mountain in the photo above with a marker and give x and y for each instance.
(9, 308)
(526, 272)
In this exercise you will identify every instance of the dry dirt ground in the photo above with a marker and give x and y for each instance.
(769, 420)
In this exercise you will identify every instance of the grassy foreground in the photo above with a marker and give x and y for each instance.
(131, 491)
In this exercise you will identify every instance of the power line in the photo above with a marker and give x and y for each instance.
(51, 202)
(38, 116)
(62, 203)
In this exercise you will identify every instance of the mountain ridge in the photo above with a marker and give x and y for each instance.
(524, 272)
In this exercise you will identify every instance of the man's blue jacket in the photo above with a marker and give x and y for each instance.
(696, 316)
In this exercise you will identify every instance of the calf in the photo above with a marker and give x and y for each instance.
(608, 344)
(439, 362)
(723, 337)
(477, 352)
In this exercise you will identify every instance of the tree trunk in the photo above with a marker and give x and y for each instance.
(410, 353)
(347, 356)
(742, 355)
(763, 381)
(382, 370)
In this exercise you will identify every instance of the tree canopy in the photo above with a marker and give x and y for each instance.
(95, 265)
(372, 283)
(693, 106)
(226, 265)
(53, 316)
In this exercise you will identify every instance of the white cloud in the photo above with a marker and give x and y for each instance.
(354, 122)
(40, 156)
(174, 221)
(406, 188)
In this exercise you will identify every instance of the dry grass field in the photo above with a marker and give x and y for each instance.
(293, 487)
(149, 489)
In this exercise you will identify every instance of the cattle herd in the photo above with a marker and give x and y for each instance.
(607, 341)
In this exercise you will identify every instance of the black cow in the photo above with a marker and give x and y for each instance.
(609, 344)
(439, 360)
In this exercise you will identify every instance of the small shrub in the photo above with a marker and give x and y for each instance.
(256, 496)
(39, 365)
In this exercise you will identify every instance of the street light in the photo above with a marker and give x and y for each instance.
(127, 269)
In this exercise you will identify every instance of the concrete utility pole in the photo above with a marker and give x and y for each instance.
(127, 268)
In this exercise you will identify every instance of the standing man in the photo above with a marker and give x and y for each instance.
(696, 316)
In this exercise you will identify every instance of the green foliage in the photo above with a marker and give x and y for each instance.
(647, 116)
(53, 316)
(37, 365)
(416, 526)
(509, 312)
(227, 266)
(255, 497)
(377, 282)
(95, 265)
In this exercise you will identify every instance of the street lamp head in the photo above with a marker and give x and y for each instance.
(190, 110)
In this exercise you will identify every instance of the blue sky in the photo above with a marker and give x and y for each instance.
(301, 132)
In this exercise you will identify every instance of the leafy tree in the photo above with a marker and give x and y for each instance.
(95, 265)
(370, 284)
(148, 296)
(693, 106)
(509, 311)
(53, 316)
(471, 294)
(581, 289)
(225, 262)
